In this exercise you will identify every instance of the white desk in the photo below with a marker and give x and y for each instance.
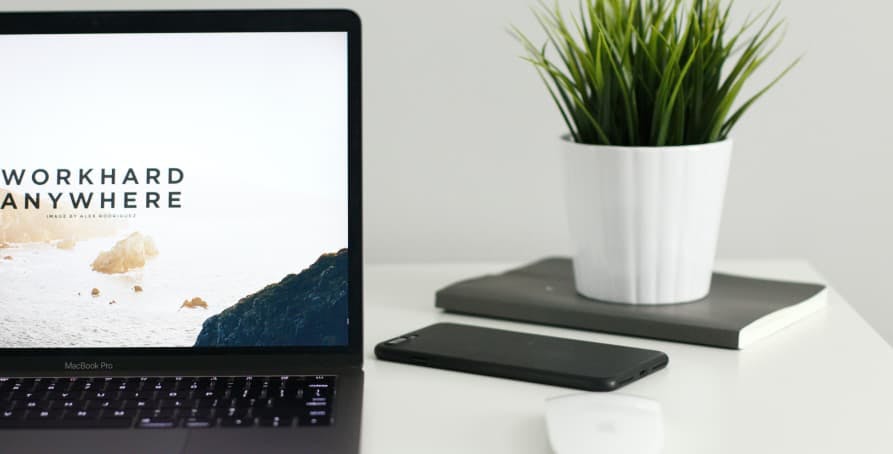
(824, 385)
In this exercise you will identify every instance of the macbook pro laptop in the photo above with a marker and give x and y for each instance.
(180, 232)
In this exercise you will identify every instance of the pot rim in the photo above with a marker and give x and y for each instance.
(566, 138)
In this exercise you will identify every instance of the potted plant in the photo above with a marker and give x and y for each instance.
(648, 91)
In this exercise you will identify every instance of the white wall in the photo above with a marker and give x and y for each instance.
(461, 162)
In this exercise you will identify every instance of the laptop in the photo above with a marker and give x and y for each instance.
(180, 232)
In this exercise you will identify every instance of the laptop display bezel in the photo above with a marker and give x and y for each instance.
(214, 359)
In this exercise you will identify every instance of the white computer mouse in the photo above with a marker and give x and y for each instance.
(604, 423)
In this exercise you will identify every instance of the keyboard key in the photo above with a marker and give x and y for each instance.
(200, 413)
(136, 404)
(131, 395)
(194, 422)
(157, 423)
(280, 411)
(241, 403)
(258, 403)
(129, 414)
(286, 402)
(45, 385)
(234, 412)
(104, 404)
(12, 414)
(174, 403)
(96, 395)
(81, 414)
(159, 413)
(322, 381)
(313, 421)
(20, 395)
(318, 413)
(62, 395)
(204, 403)
(65, 404)
(211, 394)
(44, 415)
(276, 421)
(319, 393)
(229, 421)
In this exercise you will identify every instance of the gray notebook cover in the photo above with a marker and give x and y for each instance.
(543, 292)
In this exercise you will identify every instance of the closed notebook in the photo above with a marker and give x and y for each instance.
(737, 312)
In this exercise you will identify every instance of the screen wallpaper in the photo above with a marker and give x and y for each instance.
(173, 190)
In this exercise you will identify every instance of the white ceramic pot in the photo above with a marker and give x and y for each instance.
(644, 221)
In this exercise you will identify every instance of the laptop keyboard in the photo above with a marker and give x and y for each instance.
(166, 402)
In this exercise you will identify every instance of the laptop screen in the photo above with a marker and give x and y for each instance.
(173, 190)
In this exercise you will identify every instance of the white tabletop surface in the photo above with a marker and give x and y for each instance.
(823, 385)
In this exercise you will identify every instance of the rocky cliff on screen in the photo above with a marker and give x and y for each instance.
(309, 308)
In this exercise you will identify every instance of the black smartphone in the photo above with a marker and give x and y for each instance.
(542, 359)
